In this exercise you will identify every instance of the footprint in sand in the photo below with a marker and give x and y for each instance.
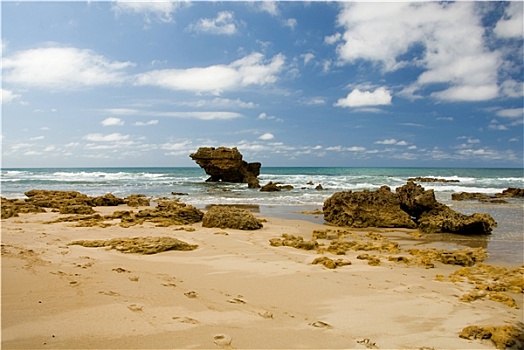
(321, 324)
(110, 293)
(120, 270)
(222, 340)
(368, 344)
(135, 307)
(191, 294)
(236, 301)
(185, 320)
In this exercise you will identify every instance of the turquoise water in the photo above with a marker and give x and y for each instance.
(505, 244)
(162, 181)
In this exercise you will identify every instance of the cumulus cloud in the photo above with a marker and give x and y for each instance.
(308, 57)
(267, 136)
(511, 26)
(250, 70)
(207, 115)
(222, 24)
(270, 7)
(62, 68)
(358, 98)
(452, 37)
(8, 96)
(290, 22)
(161, 11)
(112, 121)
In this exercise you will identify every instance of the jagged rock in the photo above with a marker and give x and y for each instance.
(137, 200)
(230, 217)
(57, 199)
(443, 219)
(167, 213)
(139, 245)
(226, 164)
(512, 192)
(379, 208)
(319, 187)
(467, 196)
(76, 209)
(415, 200)
(12, 207)
(411, 206)
(108, 200)
(330, 263)
(462, 257)
(275, 187)
(502, 336)
(298, 242)
(430, 179)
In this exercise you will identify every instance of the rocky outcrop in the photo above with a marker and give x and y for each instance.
(511, 192)
(379, 208)
(275, 187)
(503, 337)
(226, 164)
(411, 206)
(138, 245)
(230, 217)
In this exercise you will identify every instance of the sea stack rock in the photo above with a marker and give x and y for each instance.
(226, 164)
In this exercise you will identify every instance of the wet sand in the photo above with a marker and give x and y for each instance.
(234, 291)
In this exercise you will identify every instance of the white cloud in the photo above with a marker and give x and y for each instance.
(263, 116)
(162, 11)
(267, 136)
(249, 70)
(219, 102)
(151, 122)
(308, 57)
(105, 138)
(267, 6)
(511, 26)
(8, 96)
(207, 115)
(510, 113)
(62, 68)
(332, 39)
(357, 98)
(36, 138)
(223, 24)
(290, 22)
(451, 35)
(393, 142)
(112, 121)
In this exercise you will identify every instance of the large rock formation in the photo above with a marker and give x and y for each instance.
(379, 208)
(226, 164)
(411, 206)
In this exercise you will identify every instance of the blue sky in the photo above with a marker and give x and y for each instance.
(289, 83)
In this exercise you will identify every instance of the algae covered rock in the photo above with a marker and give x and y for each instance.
(138, 245)
(12, 207)
(443, 219)
(297, 242)
(330, 263)
(379, 208)
(502, 336)
(167, 213)
(230, 217)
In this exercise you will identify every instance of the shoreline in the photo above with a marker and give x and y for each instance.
(234, 291)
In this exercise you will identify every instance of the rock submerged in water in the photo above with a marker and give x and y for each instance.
(410, 207)
(226, 164)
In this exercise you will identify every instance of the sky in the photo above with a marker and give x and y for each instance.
(363, 84)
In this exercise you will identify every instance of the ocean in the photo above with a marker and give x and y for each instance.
(506, 243)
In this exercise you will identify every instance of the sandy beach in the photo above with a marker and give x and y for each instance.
(234, 291)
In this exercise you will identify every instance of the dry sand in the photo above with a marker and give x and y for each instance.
(234, 291)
